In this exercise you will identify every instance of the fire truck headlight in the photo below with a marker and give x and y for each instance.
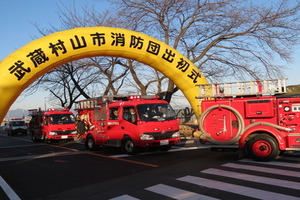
(176, 134)
(52, 133)
(73, 132)
(146, 137)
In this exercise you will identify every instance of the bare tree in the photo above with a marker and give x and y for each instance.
(67, 83)
(224, 38)
(234, 39)
(116, 75)
(84, 78)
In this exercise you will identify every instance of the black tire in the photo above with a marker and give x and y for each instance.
(90, 143)
(129, 147)
(262, 147)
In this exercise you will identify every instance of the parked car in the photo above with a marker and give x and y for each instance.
(16, 127)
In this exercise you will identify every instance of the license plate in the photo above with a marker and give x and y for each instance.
(64, 137)
(164, 142)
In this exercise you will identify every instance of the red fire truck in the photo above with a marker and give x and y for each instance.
(53, 124)
(127, 122)
(256, 115)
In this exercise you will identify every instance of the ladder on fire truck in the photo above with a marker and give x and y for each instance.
(244, 88)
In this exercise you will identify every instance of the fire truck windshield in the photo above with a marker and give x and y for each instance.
(62, 119)
(156, 112)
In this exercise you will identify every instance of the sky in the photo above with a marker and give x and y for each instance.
(16, 21)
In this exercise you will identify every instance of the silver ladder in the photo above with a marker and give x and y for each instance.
(243, 88)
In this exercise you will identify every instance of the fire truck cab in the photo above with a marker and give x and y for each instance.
(53, 124)
(254, 114)
(128, 122)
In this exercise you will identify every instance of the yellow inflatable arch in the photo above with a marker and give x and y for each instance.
(28, 63)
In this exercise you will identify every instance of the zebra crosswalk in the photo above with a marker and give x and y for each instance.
(244, 179)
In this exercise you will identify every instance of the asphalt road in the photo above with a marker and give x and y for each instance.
(67, 171)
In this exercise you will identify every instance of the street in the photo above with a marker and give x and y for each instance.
(66, 170)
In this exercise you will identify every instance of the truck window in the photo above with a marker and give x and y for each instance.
(113, 113)
(129, 114)
(100, 114)
(62, 119)
(156, 112)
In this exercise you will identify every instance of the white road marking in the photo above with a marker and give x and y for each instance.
(176, 193)
(276, 163)
(8, 191)
(253, 178)
(264, 169)
(124, 197)
(237, 189)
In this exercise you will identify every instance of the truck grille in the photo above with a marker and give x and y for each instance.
(64, 132)
(161, 136)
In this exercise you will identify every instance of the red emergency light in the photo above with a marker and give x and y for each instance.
(142, 97)
(16, 119)
(57, 109)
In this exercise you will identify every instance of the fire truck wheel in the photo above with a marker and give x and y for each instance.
(262, 147)
(129, 147)
(90, 143)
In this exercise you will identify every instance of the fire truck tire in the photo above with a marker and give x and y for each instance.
(90, 143)
(129, 147)
(262, 147)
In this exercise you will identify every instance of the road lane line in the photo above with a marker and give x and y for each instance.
(177, 193)
(31, 157)
(8, 191)
(76, 152)
(174, 149)
(17, 138)
(237, 189)
(62, 147)
(124, 160)
(264, 169)
(20, 146)
(253, 178)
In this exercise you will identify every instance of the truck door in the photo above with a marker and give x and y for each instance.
(114, 131)
(129, 121)
(46, 125)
